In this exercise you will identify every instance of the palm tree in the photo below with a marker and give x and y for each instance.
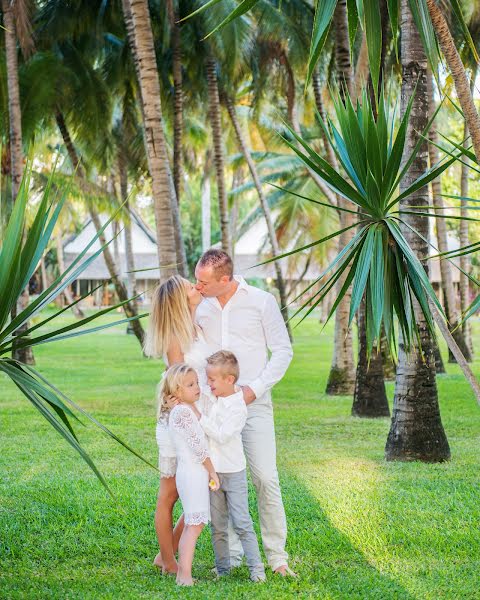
(10, 16)
(448, 289)
(341, 379)
(138, 25)
(416, 431)
(265, 208)
(112, 266)
(176, 49)
(465, 265)
(218, 151)
(370, 397)
(457, 69)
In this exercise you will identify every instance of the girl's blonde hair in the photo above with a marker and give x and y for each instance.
(169, 384)
(170, 318)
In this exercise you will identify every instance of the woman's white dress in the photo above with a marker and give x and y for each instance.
(191, 445)
(196, 357)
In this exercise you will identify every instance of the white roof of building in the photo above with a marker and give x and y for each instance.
(143, 243)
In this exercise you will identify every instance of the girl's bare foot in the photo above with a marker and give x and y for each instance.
(185, 581)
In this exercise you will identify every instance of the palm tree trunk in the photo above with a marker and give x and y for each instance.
(317, 92)
(120, 289)
(127, 228)
(342, 49)
(389, 367)
(14, 110)
(362, 67)
(175, 42)
(437, 356)
(449, 296)
(137, 20)
(455, 64)
(24, 355)
(416, 431)
(77, 311)
(43, 272)
(272, 236)
(206, 205)
(341, 379)
(218, 159)
(370, 397)
(465, 264)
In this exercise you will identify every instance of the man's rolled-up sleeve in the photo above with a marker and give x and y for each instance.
(278, 342)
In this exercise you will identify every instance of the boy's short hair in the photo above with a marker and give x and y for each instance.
(227, 361)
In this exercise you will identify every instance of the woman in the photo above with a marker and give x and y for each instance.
(173, 335)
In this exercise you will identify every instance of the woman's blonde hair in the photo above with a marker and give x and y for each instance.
(169, 384)
(170, 318)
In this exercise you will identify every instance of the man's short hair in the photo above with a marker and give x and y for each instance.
(226, 361)
(220, 262)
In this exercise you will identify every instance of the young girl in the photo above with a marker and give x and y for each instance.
(173, 335)
(194, 467)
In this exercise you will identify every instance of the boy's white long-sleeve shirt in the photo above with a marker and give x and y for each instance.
(223, 420)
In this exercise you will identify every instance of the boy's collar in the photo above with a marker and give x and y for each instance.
(236, 390)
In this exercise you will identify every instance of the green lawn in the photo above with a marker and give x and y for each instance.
(358, 527)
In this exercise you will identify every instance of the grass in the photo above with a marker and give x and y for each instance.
(358, 527)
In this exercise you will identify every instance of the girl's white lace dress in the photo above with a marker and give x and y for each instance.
(192, 477)
(196, 357)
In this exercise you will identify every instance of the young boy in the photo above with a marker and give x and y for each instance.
(223, 417)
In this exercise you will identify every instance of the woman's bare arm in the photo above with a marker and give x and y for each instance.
(174, 354)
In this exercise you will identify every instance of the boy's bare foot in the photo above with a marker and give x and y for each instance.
(285, 571)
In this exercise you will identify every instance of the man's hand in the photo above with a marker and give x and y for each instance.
(248, 394)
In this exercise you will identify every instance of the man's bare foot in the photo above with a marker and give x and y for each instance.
(285, 571)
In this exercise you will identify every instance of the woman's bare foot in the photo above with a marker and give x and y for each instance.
(157, 561)
(167, 569)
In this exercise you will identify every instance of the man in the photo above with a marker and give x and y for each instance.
(247, 321)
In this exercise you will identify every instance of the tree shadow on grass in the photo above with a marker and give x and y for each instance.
(328, 564)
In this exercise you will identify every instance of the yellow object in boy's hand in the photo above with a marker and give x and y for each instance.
(212, 484)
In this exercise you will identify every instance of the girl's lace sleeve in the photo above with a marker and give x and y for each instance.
(186, 424)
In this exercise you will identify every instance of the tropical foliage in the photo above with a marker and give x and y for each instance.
(378, 261)
(20, 252)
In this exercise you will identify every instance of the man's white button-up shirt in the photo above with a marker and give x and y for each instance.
(249, 325)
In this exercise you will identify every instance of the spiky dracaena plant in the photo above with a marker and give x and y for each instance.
(20, 253)
(378, 262)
